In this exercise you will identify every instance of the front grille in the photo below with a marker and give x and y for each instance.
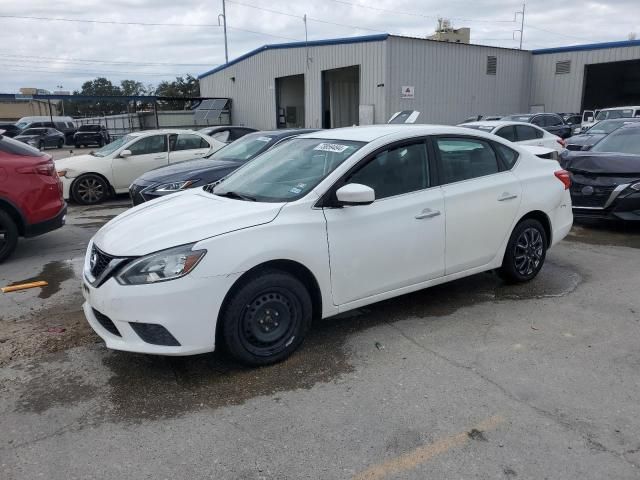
(573, 147)
(597, 198)
(106, 323)
(154, 334)
(99, 261)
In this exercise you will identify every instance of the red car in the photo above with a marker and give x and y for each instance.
(31, 200)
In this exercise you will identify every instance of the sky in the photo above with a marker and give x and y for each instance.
(60, 55)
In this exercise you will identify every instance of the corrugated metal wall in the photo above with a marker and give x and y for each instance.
(451, 82)
(253, 91)
(563, 93)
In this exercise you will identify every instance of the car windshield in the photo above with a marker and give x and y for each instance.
(518, 118)
(623, 140)
(609, 114)
(484, 128)
(245, 148)
(89, 128)
(34, 131)
(606, 126)
(288, 171)
(113, 146)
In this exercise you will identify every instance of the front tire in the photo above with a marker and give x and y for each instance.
(8, 235)
(89, 190)
(267, 318)
(525, 252)
(60, 143)
(41, 145)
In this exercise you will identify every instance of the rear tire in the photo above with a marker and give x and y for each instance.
(100, 143)
(267, 318)
(89, 189)
(8, 235)
(525, 252)
(60, 143)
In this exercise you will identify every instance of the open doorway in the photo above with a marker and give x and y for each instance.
(611, 84)
(340, 97)
(290, 101)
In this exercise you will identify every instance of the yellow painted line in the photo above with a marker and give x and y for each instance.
(423, 454)
(23, 286)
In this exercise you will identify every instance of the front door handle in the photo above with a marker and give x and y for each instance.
(427, 213)
(507, 196)
(160, 158)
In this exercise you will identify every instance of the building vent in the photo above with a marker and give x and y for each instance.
(563, 66)
(492, 65)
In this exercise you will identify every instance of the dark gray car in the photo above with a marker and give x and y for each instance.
(588, 139)
(41, 137)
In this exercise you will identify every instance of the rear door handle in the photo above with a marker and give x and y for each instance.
(507, 196)
(427, 213)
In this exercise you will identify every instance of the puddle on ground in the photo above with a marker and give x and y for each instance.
(54, 273)
(44, 394)
(146, 387)
(606, 233)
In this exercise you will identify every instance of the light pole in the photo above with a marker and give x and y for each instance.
(224, 27)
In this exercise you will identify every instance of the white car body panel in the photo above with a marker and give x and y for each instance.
(548, 140)
(119, 171)
(357, 255)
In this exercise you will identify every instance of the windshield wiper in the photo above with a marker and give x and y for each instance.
(236, 195)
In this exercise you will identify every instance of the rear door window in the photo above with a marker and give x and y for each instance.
(508, 133)
(524, 133)
(186, 141)
(465, 158)
(552, 120)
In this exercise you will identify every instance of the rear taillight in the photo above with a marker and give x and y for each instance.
(562, 142)
(564, 177)
(45, 169)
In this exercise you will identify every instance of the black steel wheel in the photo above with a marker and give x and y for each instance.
(267, 318)
(526, 252)
(8, 235)
(89, 189)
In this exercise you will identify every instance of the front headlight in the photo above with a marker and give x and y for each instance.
(635, 186)
(173, 186)
(161, 266)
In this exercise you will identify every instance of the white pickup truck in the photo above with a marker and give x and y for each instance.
(591, 117)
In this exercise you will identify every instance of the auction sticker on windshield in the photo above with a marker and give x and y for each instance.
(331, 147)
(263, 139)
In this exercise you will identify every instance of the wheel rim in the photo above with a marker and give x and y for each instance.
(529, 251)
(269, 321)
(90, 190)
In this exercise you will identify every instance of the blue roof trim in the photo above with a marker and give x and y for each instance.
(312, 43)
(589, 46)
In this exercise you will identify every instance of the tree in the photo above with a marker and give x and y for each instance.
(99, 86)
(181, 87)
(132, 87)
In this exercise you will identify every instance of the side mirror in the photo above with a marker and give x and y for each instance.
(125, 153)
(355, 194)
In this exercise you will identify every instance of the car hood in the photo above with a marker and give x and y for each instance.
(184, 170)
(179, 219)
(586, 139)
(71, 162)
(602, 163)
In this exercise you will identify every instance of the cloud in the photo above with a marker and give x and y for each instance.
(27, 42)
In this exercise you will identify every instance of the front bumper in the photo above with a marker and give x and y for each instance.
(626, 208)
(187, 308)
(48, 225)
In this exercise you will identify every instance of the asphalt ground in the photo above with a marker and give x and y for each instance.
(473, 379)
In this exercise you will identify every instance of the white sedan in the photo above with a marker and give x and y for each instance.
(89, 179)
(322, 224)
(521, 133)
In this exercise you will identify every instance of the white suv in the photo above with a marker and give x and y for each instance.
(324, 223)
(89, 179)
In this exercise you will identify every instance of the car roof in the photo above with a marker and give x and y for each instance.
(374, 132)
(496, 123)
(163, 131)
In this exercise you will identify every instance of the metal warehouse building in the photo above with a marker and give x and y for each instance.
(363, 80)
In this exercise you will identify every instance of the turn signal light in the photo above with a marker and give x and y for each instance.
(562, 142)
(564, 177)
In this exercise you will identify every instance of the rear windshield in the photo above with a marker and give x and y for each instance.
(609, 114)
(518, 118)
(14, 147)
(89, 128)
